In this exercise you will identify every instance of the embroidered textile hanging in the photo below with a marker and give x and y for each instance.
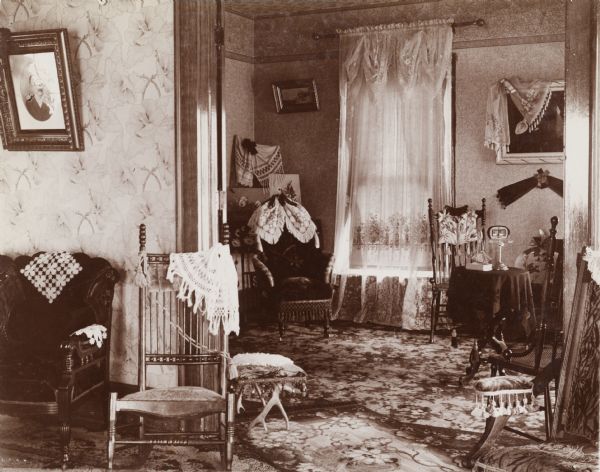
(209, 278)
(531, 99)
(255, 160)
(269, 219)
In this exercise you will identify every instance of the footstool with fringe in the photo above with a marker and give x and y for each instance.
(267, 376)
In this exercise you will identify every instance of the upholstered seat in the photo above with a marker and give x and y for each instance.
(303, 288)
(174, 401)
(545, 457)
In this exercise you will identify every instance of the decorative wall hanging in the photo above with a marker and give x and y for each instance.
(542, 179)
(528, 128)
(255, 160)
(37, 105)
(296, 95)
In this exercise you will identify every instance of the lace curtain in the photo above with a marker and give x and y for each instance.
(395, 147)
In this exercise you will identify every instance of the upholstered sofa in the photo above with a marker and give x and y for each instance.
(54, 351)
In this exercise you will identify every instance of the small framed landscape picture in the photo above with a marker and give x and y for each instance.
(39, 111)
(296, 95)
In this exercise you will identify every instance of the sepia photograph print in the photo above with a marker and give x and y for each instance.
(40, 111)
(303, 235)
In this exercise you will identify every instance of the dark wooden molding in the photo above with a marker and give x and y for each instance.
(187, 24)
(578, 74)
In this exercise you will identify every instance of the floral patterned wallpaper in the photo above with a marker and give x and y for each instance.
(94, 200)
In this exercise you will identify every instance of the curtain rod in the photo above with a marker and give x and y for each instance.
(477, 22)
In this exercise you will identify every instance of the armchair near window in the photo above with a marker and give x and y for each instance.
(47, 362)
(295, 280)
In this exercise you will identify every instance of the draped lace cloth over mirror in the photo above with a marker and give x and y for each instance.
(531, 99)
(208, 282)
(394, 151)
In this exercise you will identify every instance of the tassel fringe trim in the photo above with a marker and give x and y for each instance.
(504, 403)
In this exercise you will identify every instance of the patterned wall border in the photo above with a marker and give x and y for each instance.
(330, 54)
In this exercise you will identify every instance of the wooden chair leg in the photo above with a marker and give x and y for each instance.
(281, 327)
(230, 430)
(64, 417)
(493, 428)
(112, 429)
(326, 323)
(548, 417)
(435, 307)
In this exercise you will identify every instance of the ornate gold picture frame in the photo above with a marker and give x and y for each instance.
(37, 104)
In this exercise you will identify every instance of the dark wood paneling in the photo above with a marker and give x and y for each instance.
(187, 26)
(578, 68)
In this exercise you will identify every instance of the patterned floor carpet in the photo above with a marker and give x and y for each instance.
(394, 373)
(378, 400)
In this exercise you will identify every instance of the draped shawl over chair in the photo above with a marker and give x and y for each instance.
(395, 135)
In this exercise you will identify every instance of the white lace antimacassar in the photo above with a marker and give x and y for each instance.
(592, 257)
(209, 277)
(271, 217)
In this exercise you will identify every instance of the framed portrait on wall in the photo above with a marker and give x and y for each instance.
(545, 144)
(37, 104)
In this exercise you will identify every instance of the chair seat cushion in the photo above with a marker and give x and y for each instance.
(174, 401)
(545, 457)
(304, 288)
(503, 383)
(269, 372)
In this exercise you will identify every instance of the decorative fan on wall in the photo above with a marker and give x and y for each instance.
(542, 179)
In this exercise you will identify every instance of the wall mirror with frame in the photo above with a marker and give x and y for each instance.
(545, 143)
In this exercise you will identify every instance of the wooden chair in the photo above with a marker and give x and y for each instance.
(542, 350)
(170, 334)
(573, 444)
(446, 256)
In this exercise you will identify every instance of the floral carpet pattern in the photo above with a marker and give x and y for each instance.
(344, 439)
(393, 373)
(378, 400)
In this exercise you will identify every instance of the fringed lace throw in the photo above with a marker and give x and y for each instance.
(531, 99)
(255, 160)
(269, 220)
(96, 334)
(208, 282)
